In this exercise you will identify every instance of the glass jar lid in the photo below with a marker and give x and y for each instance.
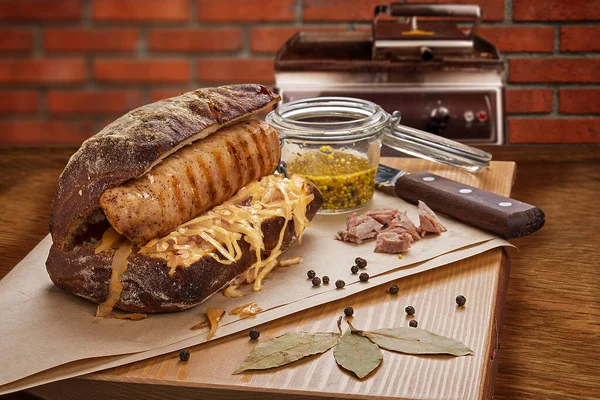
(328, 119)
(344, 119)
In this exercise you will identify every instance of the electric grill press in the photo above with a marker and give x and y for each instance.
(441, 79)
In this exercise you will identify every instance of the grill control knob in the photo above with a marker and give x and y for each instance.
(426, 53)
(439, 118)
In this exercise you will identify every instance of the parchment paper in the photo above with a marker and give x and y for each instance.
(56, 328)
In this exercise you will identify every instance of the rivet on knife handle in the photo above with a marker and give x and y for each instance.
(506, 217)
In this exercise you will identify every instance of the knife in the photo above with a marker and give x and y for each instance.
(489, 211)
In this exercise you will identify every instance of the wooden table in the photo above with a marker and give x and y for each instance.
(550, 341)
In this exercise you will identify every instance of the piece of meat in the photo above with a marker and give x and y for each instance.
(401, 222)
(413, 234)
(351, 221)
(191, 181)
(393, 230)
(429, 222)
(359, 228)
(366, 226)
(383, 215)
(393, 242)
(347, 236)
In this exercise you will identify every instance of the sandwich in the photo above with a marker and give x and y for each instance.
(173, 201)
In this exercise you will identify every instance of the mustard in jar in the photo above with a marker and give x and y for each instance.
(345, 180)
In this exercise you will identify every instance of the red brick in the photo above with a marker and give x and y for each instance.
(492, 10)
(579, 101)
(55, 70)
(246, 10)
(528, 101)
(160, 94)
(519, 39)
(531, 130)
(580, 38)
(92, 101)
(44, 132)
(192, 40)
(270, 39)
(339, 10)
(141, 11)
(235, 70)
(15, 40)
(90, 39)
(556, 10)
(554, 70)
(36, 10)
(18, 101)
(142, 71)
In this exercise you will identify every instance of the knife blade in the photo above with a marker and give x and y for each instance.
(489, 211)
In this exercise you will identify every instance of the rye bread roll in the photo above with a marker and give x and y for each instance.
(127, 149)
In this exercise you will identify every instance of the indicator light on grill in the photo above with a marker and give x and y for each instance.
(482, 116)
(469, 116)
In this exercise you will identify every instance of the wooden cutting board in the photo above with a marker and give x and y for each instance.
(482, 279)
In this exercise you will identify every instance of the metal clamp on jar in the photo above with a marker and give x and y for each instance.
(336, 141)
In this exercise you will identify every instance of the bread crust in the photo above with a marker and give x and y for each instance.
(147, 285)
(138, 140)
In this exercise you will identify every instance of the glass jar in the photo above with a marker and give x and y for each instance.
(335, 142)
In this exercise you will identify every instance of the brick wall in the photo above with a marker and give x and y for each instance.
(67, 67)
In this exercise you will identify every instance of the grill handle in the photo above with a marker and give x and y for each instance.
(432, 10)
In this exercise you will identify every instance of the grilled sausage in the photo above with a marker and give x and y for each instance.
(191, 181)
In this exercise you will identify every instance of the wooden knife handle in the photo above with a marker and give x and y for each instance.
(506, 217)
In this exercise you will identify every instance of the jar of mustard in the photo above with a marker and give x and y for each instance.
(335, 142)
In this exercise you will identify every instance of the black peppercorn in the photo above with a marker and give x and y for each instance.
(348, 311)
(364, 277)
(311, 274)
(413, 323)
(340, 284)
(361, 262)
(254, 334)
(316, 281)
(461, 300)
(326, 280)
(394, 289)
(410, 310)
(184, 355)
(354, 269)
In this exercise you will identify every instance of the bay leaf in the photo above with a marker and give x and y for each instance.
(416, 341)
(287, 348)
(358, 354)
